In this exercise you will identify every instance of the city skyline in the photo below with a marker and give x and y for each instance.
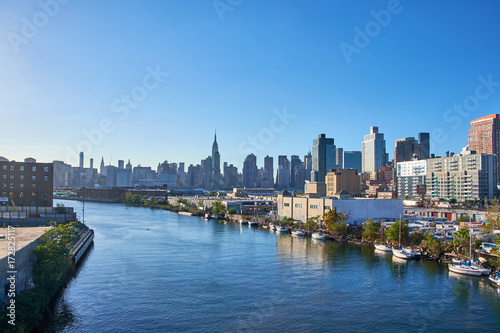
(268, 76)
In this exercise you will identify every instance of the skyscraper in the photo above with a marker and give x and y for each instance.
(405, 149)
(215, 163)
(295, 163)
(373, 151)
(268, 178)
(352, 160)
(250, 171)
(323, 157)
(425, 150)
(484, 136)
(339, 158)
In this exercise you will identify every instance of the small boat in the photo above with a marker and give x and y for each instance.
(495, 279)
(475, 263)
(208, 216)
(281, 229)
(382, 247)
(464, 269)
(298, 232)
(456, 261)
(253, 223)
(242, 221)
(415, 254)
(402, 253)
(272, 227)
(318, 235)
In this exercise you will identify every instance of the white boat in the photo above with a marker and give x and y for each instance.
(317, 235)
(464, 269)
(253, 223)
(495, 279)
(402, 253)
(415, 254)
(382, 247)
(242, 221)
(298, 233)
(272, 227)
(281, 229)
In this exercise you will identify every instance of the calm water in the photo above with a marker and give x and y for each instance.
(188, 274)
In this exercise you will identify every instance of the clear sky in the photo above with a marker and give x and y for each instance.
(152, 80)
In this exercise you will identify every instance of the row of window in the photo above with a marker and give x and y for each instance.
(286, 204)
(21, 168)
(21, 186)
(21, 194)
(21, 177)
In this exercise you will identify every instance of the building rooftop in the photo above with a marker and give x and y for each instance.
(23, 236)
(491, 116)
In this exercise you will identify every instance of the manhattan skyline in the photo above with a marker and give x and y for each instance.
(152, 81)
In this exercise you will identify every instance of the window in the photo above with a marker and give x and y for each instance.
(4, 186)
(21, 185)
(287, 204)
(11, 177)
(46, 169)
(21, 177)
(45, 195)
(33, 178)
(33, 194)
(33, 168)
(313, 206)
(33, 186)
(46, 178)
(328, 207)
(21, 194)
(4, 177)
(4, 168)
(11, 186)
(11, 168)
(21, 168)
(298, 205)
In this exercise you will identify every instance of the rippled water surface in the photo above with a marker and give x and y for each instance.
(156, 271)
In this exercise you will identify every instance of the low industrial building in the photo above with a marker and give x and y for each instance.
(357, 209)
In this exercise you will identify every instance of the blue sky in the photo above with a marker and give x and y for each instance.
(77, 76)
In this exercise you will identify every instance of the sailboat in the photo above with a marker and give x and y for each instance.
(400, 252)
(462, 268)
(383, 247)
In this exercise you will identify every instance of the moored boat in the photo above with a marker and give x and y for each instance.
(464, 269)
(298, 232)
(242, 221)
(382, 247)
(281, 229)
(402, 253)
(318, 235)
(495, 279)
(253, 223)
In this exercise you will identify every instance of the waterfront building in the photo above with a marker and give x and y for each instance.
(373, 151)
(410, 174)
(357, 209)
(484, 137)
(352, 160)
(406, 149)
(26, 183)
(424, 140)
(347, 180)
(250, 171)
(323, 157)
(462, 177)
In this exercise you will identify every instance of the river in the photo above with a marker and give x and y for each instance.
(156, 271)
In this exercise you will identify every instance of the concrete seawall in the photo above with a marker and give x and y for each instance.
(82, 246)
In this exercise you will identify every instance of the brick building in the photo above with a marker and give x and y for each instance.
(26, 183)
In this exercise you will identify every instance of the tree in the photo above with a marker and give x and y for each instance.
(393, 232)
(335, 222)
(461, 239)
(371, 229)
(218, 208)
(60, 208)
(492, 217)
(312, 223)
(201, 204)
(212, 193)
(232, 211)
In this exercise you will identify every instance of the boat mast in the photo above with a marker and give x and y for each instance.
(400, 232)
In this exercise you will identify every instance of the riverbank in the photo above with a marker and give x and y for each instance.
(54, 262)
